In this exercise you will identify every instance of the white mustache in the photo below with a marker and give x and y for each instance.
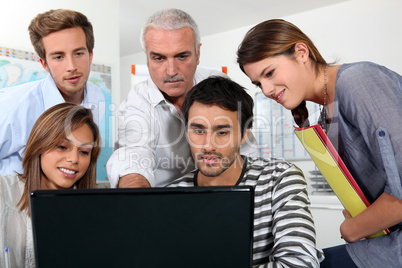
(173, 79)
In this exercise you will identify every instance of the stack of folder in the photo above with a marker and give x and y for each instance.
(331, 166)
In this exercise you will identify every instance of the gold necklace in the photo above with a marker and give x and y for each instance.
(323, 115)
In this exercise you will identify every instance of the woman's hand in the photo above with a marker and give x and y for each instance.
(344, 226)
(384, 213)
(346, 214)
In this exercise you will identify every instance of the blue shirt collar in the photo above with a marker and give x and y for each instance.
(51, 94)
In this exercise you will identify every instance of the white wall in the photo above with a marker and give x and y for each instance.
(125, 71)
(16, 15)
(351, 31)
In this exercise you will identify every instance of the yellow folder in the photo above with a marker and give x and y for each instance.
(331, 166)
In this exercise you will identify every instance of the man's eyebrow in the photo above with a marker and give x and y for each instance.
(223, 126)
(187, 52)
(80, 48)
(195, 125)
(56, 53)
(62, 52)
(156, 54)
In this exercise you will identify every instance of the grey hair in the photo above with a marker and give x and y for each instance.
(171, 19)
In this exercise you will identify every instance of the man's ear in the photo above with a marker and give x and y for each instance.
(91, 57)
(245, 136)
(199, 53)
(301, 52)
(44, 65)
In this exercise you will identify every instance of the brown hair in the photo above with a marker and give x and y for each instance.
(51, 128)
(273, 38)
(56, 20)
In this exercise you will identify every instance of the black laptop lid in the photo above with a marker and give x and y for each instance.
(154, 227)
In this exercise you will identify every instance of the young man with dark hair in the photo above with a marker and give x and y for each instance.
(218, 114)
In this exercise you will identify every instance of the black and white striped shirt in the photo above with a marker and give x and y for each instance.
(284, 234)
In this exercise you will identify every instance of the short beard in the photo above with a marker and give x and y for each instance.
(224, 165)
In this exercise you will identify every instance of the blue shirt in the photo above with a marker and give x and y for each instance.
(366, 131)
(22, 105)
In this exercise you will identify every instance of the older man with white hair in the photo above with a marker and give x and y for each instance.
(152, 147)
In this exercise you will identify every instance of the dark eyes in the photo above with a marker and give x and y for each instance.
(222, 133)
(179, 57)
(157, 58)
(270, 73)
(219, 133)
(85, 152)
(267, 75)
(182, 57)
(198, 131)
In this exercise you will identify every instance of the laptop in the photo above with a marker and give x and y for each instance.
(152, 227)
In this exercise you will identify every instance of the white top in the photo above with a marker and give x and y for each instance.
(152, 140)
(15, 233)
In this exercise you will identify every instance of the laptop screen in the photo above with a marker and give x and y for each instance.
(153, 227)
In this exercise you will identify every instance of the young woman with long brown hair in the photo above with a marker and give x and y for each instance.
(362, 105)
(61, 153)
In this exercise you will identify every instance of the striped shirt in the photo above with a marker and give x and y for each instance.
(284, 234)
